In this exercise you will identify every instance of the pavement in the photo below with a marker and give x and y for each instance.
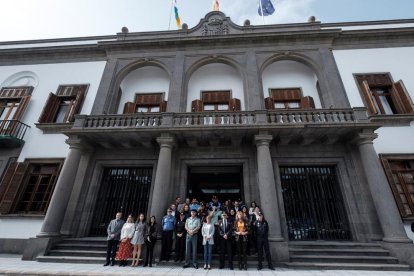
(13, 265)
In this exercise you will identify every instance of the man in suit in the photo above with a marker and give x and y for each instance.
(225, 235)
(114, 233)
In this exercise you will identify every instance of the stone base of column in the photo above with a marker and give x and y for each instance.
(275, 238)
(403, 251)
(279, 251)
(38, 247)
(48, 234)
(397, 240)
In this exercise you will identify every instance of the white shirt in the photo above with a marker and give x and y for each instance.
(127, 230)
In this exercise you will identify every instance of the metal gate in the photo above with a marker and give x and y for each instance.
(313, 204)
(123, 190)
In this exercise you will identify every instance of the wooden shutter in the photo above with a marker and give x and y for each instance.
(215, 96)
(76, 107)
(269, 103)
(234, 105)
(22, 107)
(367, 95)
(197, 106)
(163, 106)
(149, 99)
(404, 97)
(307, 102)
(286, 94)
(6, 178)
(130, 108)
(49, 110)
(14, 177)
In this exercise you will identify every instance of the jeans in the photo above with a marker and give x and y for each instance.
(208, 252)
(191, 249)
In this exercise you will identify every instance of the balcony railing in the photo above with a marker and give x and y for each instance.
(12, 132)
(218, 119)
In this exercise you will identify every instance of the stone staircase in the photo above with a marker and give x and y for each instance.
(342, 255)
(93, 251)
(303, 255)
(77, 250)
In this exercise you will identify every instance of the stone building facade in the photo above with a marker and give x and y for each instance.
(277, 114)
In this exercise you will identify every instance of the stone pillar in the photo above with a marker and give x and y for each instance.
(160, 193)
(176, 99)
(255, 97)
(267, 187)
(63, 190)
(103, 97)
(388, 214)
(330, 83)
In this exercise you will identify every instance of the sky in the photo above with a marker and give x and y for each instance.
(44, 19)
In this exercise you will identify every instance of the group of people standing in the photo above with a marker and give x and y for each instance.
(130, 236)
(230, 225)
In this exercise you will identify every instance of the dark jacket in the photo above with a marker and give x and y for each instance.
(180, 227)
(151, 233)
(229, 228)
(261, 229)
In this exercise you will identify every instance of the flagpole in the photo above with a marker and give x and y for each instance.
(169, 23)
(261, 7)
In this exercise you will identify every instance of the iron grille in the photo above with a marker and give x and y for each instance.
(313, 204)
(123, 190)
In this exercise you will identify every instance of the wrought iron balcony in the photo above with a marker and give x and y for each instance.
(12, 133)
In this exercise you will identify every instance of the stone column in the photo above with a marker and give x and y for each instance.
(103, 97)
(388, 214)
(63, 190)
(267, 187)
(254, 84)
(176, 101)
(160, 193)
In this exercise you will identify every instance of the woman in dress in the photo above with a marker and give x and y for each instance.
(249, 236)
(150, 240)
(138, 239)
(125, 248)
(241, 230)
(207, 231)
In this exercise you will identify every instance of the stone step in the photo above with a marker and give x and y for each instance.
(333, 245)
(71, 259)
(347, 266)
(347, 251)
(343, 259)
(101, 260)
(79, 253)
(80, 246)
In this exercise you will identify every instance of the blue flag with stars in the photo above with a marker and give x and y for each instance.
(267, 8)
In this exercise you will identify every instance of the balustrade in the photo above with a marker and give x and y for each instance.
(218, 119)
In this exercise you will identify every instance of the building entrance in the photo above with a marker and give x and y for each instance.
(123, 190)
(225, 182)
(313, 204)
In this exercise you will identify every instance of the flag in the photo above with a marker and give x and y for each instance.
(216, 5)
(267, 7)
(177, 17)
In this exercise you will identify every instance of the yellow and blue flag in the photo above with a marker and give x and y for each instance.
(266, 8)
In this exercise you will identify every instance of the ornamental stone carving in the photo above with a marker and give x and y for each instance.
(215, 26)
